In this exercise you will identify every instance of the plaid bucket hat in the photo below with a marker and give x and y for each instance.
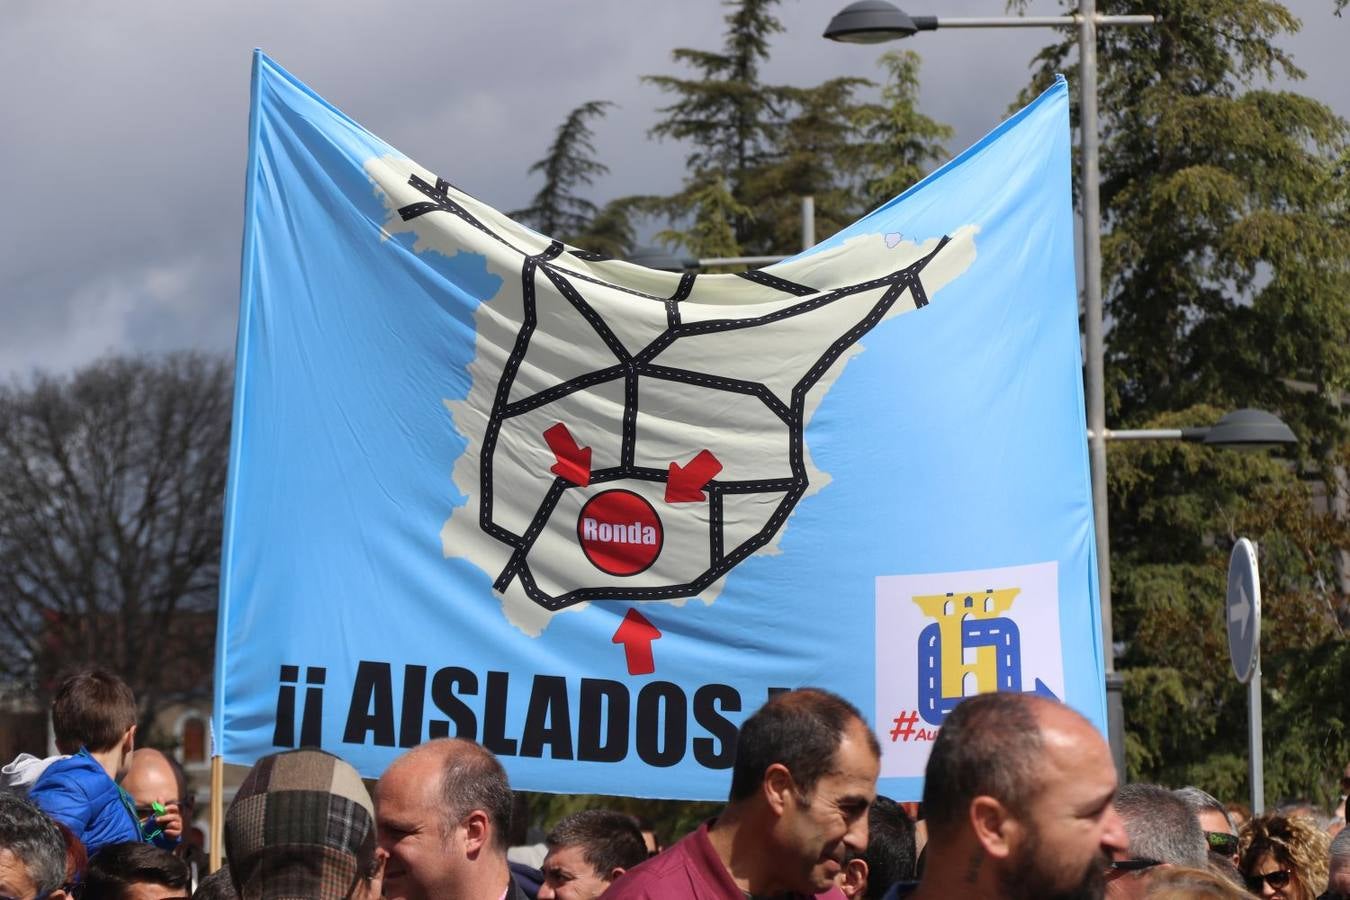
(301, 827)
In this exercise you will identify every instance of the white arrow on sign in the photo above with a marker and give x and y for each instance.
(1241, 611)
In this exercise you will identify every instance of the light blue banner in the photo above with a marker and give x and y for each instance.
(592, 515)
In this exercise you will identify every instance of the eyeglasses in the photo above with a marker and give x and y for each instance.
(1121, 866)
(1277, 879)
(1221, 842)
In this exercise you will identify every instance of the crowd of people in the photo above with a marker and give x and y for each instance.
(1020, 801)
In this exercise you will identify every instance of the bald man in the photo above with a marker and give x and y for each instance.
(1018, 795)
(444, 813)
(152, 779)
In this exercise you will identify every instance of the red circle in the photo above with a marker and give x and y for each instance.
(620, 533)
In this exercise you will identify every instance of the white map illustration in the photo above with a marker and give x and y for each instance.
(635, 434)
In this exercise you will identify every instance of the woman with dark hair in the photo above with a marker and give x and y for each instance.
(1283, 857)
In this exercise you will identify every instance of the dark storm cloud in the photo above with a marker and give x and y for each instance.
(125, 127)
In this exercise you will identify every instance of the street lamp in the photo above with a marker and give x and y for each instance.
(1244, 429)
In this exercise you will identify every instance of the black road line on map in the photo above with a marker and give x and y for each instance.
(628, 445)
(558, 391)
(631, 368)
(710, 326)
(759, 276)
(715, 526)
(660, 343)
(718, 382)
(917, 292)
(513, 361)
(582, 276)
(590, 255)
(588, 313)
(541, 517)
(681, 293)
(440, 201)
(762, 486)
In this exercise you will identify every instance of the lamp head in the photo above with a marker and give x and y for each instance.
(1250, 429)
(870, 22)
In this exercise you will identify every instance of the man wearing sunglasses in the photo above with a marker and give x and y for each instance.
(1220, 832)
(1162, 830)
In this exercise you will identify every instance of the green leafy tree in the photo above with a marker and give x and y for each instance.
(1176, 511)
(558, 210)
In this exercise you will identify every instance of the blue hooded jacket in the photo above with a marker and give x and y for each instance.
(77, 793)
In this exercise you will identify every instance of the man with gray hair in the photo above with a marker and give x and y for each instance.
(32, 852)
(1161, 830)
(1221, 835)
(1338, 878)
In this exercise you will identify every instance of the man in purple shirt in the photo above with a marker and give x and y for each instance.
(805, 775)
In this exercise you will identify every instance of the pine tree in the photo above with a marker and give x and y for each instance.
(897, 145)
(757, 149)
(726, 115)
(714, 209)
(558, 210)
(731, 122)
(814, 155)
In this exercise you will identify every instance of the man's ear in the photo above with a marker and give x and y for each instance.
(854, 880)
(779, 788)
(615, 873)
(477, 831)
(129, 741)
(995, 827)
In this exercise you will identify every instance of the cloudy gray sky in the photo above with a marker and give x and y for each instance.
(124, 126)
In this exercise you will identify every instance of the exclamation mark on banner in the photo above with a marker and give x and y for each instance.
(311, 722)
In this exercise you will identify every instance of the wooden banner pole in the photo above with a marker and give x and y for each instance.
(217, 811)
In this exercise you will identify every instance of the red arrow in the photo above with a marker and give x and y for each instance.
(685, 485)
(636, 634)
(574, 463)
